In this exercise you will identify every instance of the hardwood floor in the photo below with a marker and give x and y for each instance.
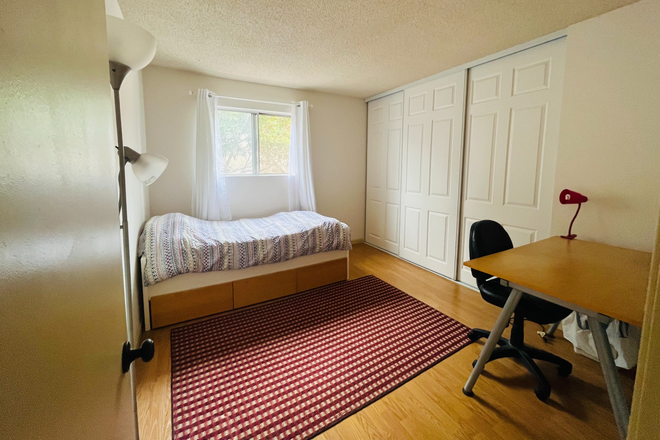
(432, 406)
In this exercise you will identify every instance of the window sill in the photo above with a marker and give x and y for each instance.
(254, 175)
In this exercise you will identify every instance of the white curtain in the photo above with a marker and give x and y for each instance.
(209, 198)
(301, 183)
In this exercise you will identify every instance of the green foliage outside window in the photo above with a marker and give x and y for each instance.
(237, 137)
(274, 138)
(249, 151)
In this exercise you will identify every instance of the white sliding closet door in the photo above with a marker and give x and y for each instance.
(511, 144)
(432, 146)
(384, 135)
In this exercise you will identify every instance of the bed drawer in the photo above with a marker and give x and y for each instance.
(317, 275)
(263, 288)
(190, 304)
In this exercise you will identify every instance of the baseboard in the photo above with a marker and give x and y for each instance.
(357, 241)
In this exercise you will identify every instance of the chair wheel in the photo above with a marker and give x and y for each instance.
(472, 336)
(542, 394)
(565, 370)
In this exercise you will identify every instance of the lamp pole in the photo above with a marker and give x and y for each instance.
(146, 351)
(118, 72)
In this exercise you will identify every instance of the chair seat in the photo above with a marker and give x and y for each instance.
(532, 308)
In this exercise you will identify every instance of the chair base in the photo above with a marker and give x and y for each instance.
(526, 355)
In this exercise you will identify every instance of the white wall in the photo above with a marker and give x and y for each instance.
(609, 146)
(137, 199)
(338, 127)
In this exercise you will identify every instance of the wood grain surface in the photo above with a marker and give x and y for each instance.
(605, 279)
(190, 304)
(317, 275)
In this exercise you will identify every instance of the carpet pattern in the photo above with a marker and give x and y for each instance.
(292, 368)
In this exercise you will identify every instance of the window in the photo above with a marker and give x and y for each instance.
(254, 143)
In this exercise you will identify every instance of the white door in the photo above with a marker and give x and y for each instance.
(62, 321)
(432, 146)
(384, 134)
(511, 144)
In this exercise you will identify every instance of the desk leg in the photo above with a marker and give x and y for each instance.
(495, 335)
(618, 400)
(553, 328)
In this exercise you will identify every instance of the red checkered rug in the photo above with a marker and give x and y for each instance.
(293, 368)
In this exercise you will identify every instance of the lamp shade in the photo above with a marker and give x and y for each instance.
(146, 167)
(568, 197)
(129, 44)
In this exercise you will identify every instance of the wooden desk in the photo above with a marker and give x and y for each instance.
(603, 282)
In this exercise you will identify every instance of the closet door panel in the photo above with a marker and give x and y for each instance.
(436, 236)
(384, 139)
(374, 168)
(392, 223)
(414, 159)
(393, 170)
(412, 230)
(480, 149)
(432, 154)
(441, 142)
(511, 144)
(374, 223)
(524, 153)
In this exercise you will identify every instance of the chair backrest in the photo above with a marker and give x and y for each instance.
(487, 237)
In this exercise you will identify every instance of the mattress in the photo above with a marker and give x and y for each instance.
(176, 244)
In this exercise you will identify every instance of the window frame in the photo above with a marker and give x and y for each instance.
(255, 135)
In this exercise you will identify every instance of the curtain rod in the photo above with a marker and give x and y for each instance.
(252, 100)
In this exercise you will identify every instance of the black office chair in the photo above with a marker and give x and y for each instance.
(488, 237)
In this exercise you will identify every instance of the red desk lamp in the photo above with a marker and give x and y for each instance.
(568, 197)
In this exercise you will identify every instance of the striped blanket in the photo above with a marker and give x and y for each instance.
(175, 244)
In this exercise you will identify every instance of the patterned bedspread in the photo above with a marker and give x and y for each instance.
(175, 244)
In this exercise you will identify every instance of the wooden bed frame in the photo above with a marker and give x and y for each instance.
(167, 303)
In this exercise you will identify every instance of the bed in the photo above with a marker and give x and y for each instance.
(193, 268)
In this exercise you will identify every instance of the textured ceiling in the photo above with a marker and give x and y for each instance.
(355, 48)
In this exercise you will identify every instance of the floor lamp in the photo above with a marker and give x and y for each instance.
(130, 48)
